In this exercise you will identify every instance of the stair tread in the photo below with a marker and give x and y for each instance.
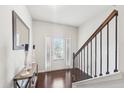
(80, 75)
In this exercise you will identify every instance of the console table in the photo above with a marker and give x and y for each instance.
(22, 80)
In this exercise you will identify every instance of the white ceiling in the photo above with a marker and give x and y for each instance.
(73, 15)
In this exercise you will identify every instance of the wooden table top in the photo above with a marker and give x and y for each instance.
(19, 75)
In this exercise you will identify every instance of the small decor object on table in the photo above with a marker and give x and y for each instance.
(33, 55)
(26, 56)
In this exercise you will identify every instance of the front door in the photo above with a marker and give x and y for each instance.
(58, 53)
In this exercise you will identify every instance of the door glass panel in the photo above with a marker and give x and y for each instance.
(58, 48)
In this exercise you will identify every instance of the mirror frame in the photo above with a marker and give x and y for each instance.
(14, 26)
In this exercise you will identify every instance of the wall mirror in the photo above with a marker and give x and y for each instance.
(20, 32)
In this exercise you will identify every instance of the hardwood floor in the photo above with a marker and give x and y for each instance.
(54, 79)
(58, 79)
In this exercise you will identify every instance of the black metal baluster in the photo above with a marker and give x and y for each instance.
(87, 60)
(76, 74)
(107, 49)
(116, 70)
(95, 56)
(84, 59)
(100, 53)
(79, 65)
(74, 67)
(76, 62)
(91, 59)
(81, 60)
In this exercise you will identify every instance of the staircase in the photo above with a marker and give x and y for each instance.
(93, 59)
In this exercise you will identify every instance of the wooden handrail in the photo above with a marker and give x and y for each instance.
(107, 20)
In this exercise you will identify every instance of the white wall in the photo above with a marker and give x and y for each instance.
(11, 61)
(86, 30)
(44, 29)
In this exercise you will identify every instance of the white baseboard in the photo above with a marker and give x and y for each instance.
(41, 71)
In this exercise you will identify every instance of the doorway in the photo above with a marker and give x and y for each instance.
(57, 53)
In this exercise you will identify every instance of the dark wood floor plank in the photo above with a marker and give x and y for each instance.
(59, 78)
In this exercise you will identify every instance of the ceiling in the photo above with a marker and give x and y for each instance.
(73, 15)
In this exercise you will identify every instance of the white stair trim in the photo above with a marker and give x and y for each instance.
(110, 77)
